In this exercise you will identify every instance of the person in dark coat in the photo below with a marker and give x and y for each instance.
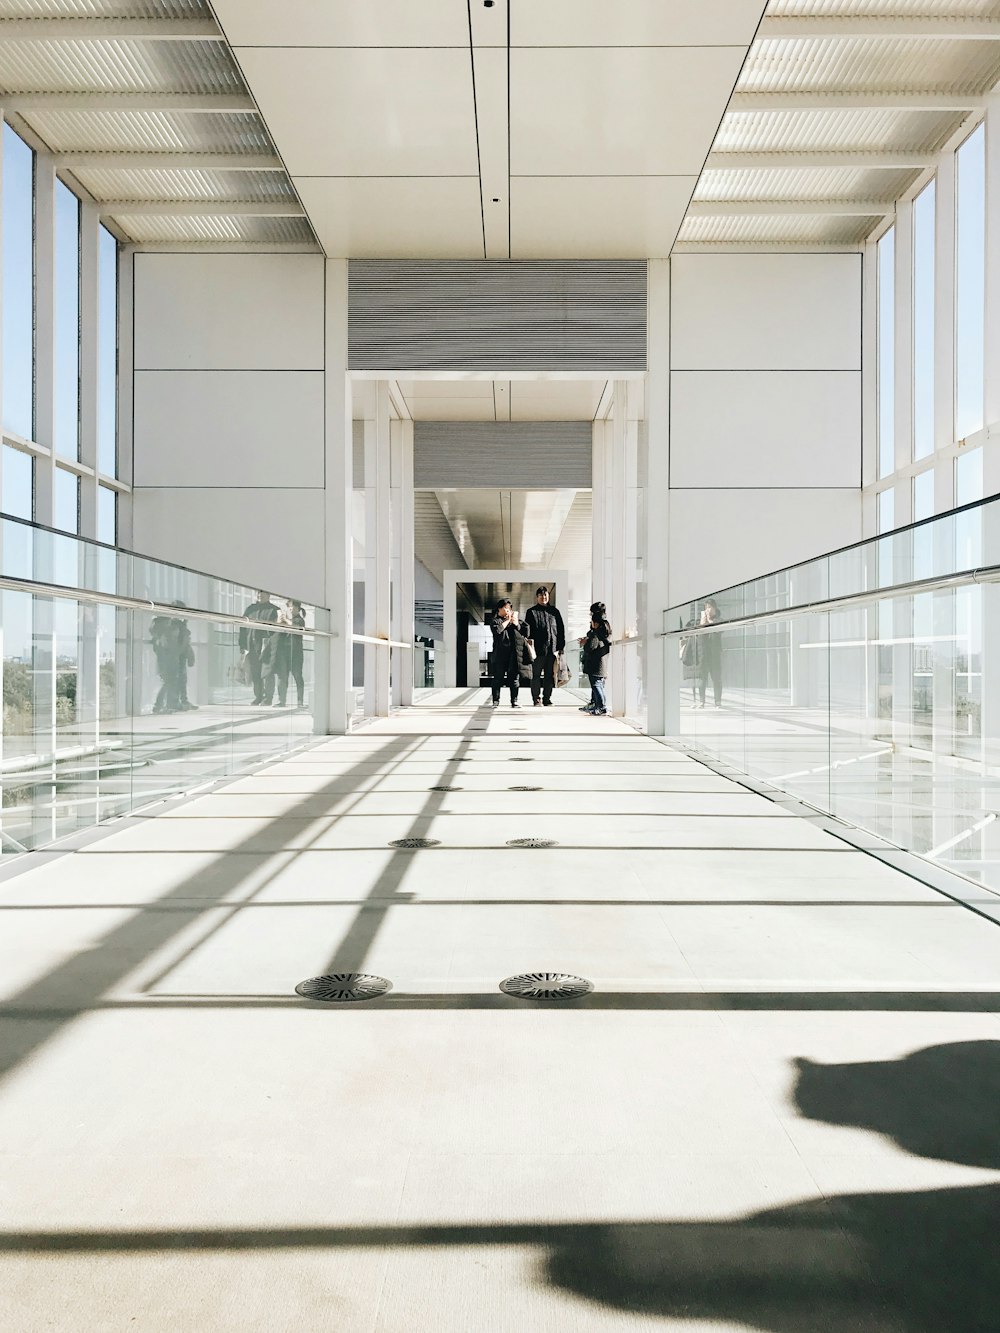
(511, 660)
(288, 658)
(165, 633)
(711, 655)
(544, 627)
(595, 646)
(259, 647)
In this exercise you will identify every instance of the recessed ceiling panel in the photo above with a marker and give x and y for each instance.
(395, 218)
(367, 113)
(453, 409)
(411, 389)
(344, 23)
(597, 217)
(623, 112)
(634, 22)
(555, 400)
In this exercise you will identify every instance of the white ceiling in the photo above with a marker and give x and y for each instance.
(571, 130)
(495, 400)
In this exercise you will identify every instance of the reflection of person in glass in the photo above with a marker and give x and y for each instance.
(288, 659)
(711, 655)
(171, 640)
(259, 646)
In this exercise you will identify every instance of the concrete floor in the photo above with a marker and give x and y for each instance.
(777, 1110)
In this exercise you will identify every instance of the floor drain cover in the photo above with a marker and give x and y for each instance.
(520, 742)
(343, 986)
(532, 842)
(546, 986)
(444, 787)
(524, 789)
(415, 842)
(521, 759)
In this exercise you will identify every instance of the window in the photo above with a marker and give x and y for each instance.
(923, 322)
(107, 370)
(107, 515)
(886, 510)
(886, 354)
(923, 495)
(67, 501)
(969, 477)
(18, 483)
(970, 283)
(18, 285)
(67, 349)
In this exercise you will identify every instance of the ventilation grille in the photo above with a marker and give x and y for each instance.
(501, 315)
(541, 455)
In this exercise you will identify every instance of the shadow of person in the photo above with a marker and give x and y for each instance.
(921, 1262)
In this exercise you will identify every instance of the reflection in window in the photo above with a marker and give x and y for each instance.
(18, 285)
(923, 538)
(18, 483)
(969, 526)
(107, 515)
(67, 501)
(107, 352)
(923, 323)
(67, 348)
(970, 282)
(923, 495)
(969, 477)
(886, 510)
(886, 354)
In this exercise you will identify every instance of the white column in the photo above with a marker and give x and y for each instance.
(903, 329)
(447, 662)
(126, 324)
(661, 655)
(332, 714)
(401, 470)
(45, 334)
(89, 265)
(617, 602)
(378, 553)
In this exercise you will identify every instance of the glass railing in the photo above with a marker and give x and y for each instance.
(862, 683)
(128, 680)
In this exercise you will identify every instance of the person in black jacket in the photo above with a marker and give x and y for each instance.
(511, 663)
(544, 627)
(259, 647)
(288, 658)
(594, 660)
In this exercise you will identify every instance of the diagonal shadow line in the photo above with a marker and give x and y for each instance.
(286, 903)
(72, 988)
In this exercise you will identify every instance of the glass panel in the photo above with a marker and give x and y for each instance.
(923, 495)
(18, 285)
(107, 515)
(970, 283)
(969, 477)
(886, 510)
(107, 352)
(886, 354)
(67, 348)
(923, 322)
(18, 483)
(67, 501)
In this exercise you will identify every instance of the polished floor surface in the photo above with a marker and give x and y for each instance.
(776, 1111)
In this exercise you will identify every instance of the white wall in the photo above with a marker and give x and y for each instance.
(229, 416)
(765, 414)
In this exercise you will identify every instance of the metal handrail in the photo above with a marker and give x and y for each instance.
(40, 589)
(987, 574)
(379, 642)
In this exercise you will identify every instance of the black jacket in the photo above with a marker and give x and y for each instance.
(259, 642)
(509, 644)
(544, 627)
(596, 646)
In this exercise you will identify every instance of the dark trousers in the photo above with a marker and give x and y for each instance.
(262, 677)
(296, 675)
(543, 676)
(713, 669)
(506, 673)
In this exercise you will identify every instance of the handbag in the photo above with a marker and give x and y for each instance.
(529, 649)
(562, 670)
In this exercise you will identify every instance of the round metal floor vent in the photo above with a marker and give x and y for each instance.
(444, 787)
(524, 788)
(532, 842)
(341, 987)
(415, 842)
(546, 986)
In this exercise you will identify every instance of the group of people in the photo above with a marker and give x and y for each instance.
(701, 656)
(270, 657)
(530, 652)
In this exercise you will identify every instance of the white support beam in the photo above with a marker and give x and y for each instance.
(335, 701)
(210, 103)
(822, 161)
(933, 29)
(866, 101)
(763, 247)
(201, 208)
(226, 247)
(192, 161)
(110, 29)
(725, 208)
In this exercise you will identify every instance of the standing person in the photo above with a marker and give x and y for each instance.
(690, 653)
(185, 659)
(711, 655)
(511, 663)
(288, 658)
(543, 625)
(596, 645)
(259, 646)
(165, 636)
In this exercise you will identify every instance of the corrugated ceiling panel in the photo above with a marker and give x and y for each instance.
(541, 455)
(888, 64)
(982, 9)
(131, 9)
(782, 229)
(254, 186)
(275, 231)
(791, 131)
(106, 65)
(826, 183)
(151, 131)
